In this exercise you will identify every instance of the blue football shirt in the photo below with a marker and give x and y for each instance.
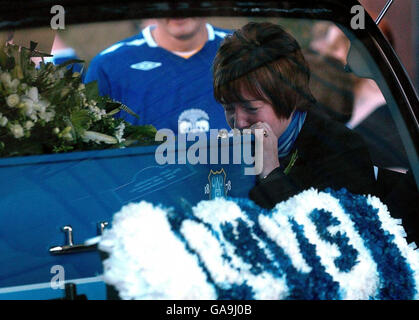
(164, 89)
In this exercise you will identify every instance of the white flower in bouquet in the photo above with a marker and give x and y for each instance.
(65, 92)
(33, 117)
(3, 120)
(27, 105)
(23, 86)
(120, 132)
(13, 100)
(41, 106)
(97, 112)
(6, 79)
(9, 84)
(28, 125)
(68, 136)
(65, 134)
(38, 101)
(98, 137)
(16, 130)
(14, 85)
(47, 116)
(32, 93)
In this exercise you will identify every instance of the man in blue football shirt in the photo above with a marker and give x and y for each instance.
(164, 75)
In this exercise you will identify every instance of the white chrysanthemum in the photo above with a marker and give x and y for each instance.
(148, 261)
(13, 100)
(16, 130)
(394, 227)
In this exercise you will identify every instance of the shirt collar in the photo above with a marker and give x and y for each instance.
(151, 43)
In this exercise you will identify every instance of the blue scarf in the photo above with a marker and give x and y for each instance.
(287, 139)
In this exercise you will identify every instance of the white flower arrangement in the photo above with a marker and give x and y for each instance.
(49, 110)
(232, 249)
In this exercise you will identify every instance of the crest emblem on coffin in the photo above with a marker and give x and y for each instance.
(193, 120)
(217, 186)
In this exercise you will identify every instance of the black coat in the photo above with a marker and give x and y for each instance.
(329, 155)
(383, 139)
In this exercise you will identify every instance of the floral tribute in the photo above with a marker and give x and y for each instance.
(47, 109)
(316, 245)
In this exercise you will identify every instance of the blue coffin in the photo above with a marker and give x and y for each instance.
(41, 194)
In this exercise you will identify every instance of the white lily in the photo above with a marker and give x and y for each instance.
(9, 84)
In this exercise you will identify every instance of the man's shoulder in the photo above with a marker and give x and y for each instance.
(123, 47)
(221, 33)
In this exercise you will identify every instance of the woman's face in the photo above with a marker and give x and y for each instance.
(241, 115)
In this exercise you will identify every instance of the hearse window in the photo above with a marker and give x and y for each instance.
(117, 55)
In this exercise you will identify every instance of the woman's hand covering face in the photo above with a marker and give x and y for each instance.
(258, 114)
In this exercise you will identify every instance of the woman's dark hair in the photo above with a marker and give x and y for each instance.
(266, 62)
